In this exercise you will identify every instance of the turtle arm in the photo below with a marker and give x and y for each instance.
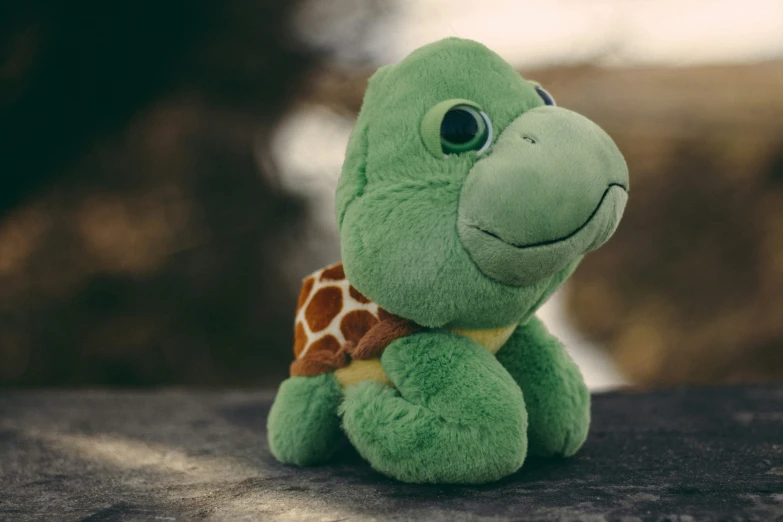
(455, 416)
(557, 400)
(303, 427)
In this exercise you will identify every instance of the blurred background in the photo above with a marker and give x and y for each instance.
(167, 173)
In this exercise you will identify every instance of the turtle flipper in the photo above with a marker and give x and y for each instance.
(456, 416)
(558, 402)
(303, 427)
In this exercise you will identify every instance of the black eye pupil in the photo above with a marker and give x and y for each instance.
(459, 126)
(464, 128)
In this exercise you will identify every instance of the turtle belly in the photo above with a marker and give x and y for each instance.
(358, 370)
(371, 370)
(492, 339)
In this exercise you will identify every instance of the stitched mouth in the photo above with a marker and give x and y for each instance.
(558, 240)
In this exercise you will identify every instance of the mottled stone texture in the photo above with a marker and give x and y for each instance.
(709, 454)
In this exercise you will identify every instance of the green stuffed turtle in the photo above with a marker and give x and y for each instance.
(466, 199)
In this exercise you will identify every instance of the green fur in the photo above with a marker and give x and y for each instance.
(467, 240)
(568, 167)
(456, 416)
(303, 427)
(403, 211)
(550, 192)
(558, 403)
(442, 286)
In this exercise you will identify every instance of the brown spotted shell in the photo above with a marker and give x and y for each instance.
(331, 312)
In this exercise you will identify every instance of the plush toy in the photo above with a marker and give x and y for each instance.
(466, 198)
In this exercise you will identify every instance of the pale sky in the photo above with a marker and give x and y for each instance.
(531, 33)
(623, 32)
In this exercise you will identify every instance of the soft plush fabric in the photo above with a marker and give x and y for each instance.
(355, 331)
(334, 321)
(558, 403)
(399, 205)
(303, 427)
(456, 415)
(492, 338)
(552, 189)
(459, 239)
(358, 371)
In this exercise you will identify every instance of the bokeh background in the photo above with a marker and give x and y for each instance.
(167, 172)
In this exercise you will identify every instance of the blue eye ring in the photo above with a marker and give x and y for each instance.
(548, 98)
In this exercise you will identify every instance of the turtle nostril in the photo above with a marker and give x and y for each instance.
(529, 139)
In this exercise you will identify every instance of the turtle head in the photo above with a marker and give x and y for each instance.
(467, 197)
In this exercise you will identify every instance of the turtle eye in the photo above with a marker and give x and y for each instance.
(464, 128)
(455, 126)
(548, 99)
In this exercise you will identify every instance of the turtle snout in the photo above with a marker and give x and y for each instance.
(553, 188)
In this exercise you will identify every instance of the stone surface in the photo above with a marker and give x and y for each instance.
(706, 454)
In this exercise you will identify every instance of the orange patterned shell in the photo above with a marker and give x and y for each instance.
(331, 312)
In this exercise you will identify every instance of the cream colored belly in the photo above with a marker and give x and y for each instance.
(371, 370)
